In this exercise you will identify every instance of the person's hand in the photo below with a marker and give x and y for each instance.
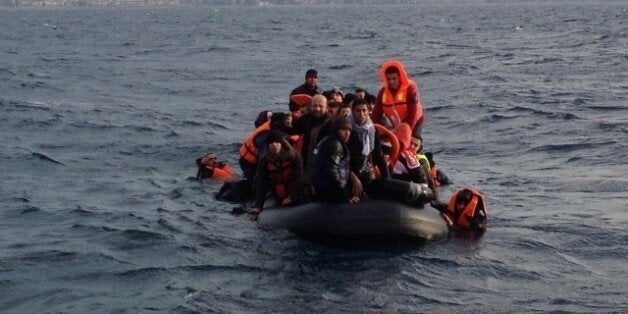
(354, 199)
(357, 190)
(256, 210)
(286, 200)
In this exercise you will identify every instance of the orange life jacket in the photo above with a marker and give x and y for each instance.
(395, 106)
(223, 173)
(463, 219)
(248, 151)
(282, 176)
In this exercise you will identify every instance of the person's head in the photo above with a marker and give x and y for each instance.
(262, 117)
(311, 77)
(318, 106)
(462, 199)
(275, 142)
(416, 144)
(360, 93)
(404, 135)
(278, 121)
(370, 99)
(360, 111)
(392, 77)
(345, 111)
(333, 107)
(430, 158)
(342, 127)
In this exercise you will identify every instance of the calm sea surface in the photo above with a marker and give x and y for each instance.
(103, 111)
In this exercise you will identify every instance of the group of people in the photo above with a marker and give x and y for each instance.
(338, 148)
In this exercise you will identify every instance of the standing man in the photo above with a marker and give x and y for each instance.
(310, 87)
(398, 100)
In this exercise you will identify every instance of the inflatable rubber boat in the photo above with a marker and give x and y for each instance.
(370, 218)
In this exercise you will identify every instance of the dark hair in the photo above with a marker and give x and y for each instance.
(339, 123)
(391, 70)
(360, 90)
(464, 197)
(370, 98)
(358, 102)
(311, 73)
(278, 121)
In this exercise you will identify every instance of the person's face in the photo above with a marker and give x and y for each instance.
(393, 80)
(311, 80)
(288, 121)
(345, 112)
(360, 114)
(333, 111)
(337, 97)
(460, 206)
(360, 95)
(274, 147)
(318, 106)
(344, 133)
(415, 144)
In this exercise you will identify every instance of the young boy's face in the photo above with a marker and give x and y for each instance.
(415, 144)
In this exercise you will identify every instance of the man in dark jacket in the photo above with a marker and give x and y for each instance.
(332, 160)
(312, 126)
(310, 87)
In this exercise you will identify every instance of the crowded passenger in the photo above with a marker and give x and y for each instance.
(439, 177)
(312, 126)
(309, 87)
(409, 166)
(331, 180)
(280, 169)
(398, 100)
(255, 145)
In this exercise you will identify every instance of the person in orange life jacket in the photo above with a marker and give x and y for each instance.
(332, 159)
(312, 127)
(255, 144)
(364, 147)
(262, 117)
(281, 170)
(210, 167)
(310, 87)
(439, 177)
(466, 212)
(398, 100)
(409, 167)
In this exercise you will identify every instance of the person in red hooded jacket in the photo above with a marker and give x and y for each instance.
(398, 101)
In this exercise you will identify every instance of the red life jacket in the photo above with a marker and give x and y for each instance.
(282, 176)
(248, 151)
(463, 219)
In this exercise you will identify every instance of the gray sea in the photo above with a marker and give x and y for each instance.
(104, 109)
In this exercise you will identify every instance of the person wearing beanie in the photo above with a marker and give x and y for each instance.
(331, 180)
(279, 170)
(309, 87)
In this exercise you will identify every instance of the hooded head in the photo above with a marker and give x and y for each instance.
(404, 135)
(389, 70)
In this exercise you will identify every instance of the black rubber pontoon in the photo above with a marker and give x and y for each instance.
(373, 218)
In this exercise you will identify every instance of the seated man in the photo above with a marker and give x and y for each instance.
(279, 170)
(332, 160)
(365, 149)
